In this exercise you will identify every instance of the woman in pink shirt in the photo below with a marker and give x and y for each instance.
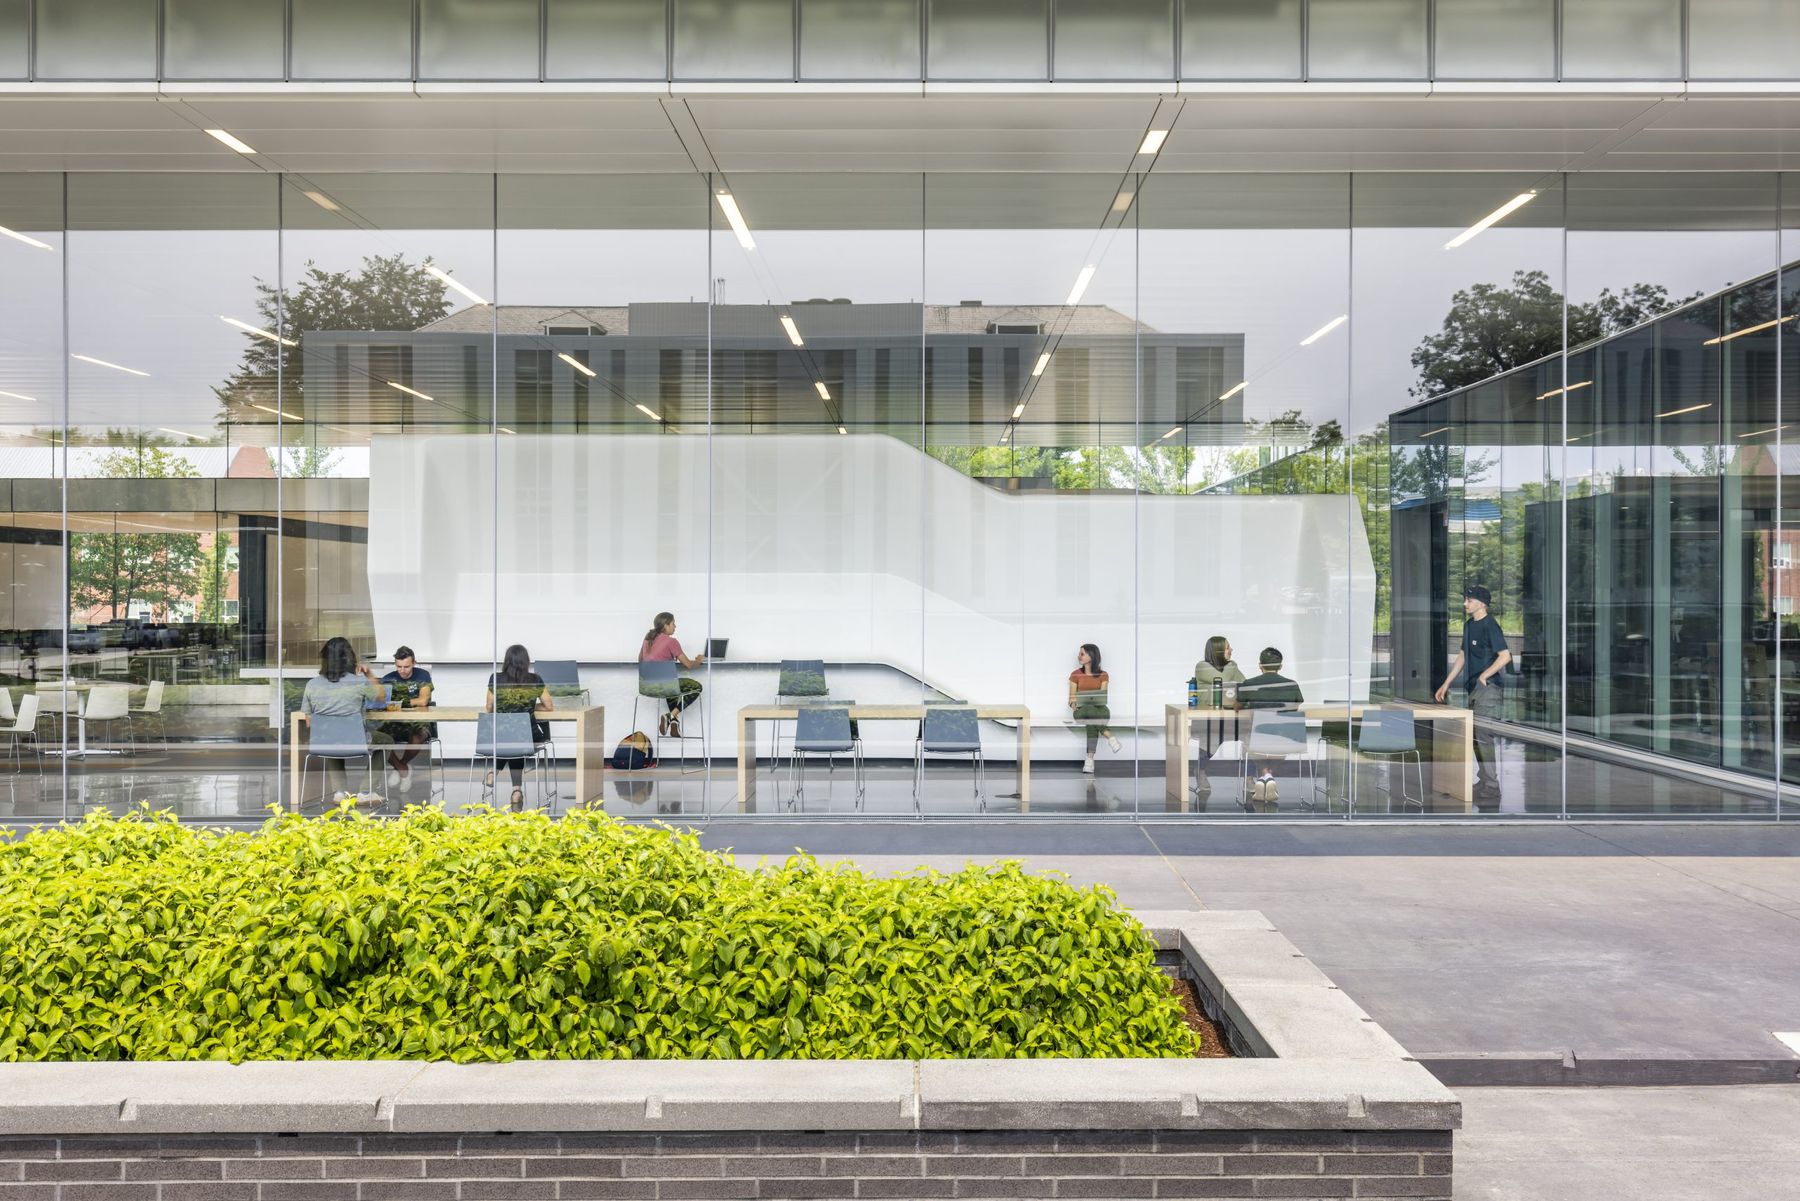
(660, 645)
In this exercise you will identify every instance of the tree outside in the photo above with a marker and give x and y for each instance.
(115, 569)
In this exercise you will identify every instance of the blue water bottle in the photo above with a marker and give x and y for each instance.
(1193, 693)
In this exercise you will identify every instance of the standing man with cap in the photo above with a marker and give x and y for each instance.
(1485, 654)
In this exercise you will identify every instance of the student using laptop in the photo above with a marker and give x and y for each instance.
(1087, 700)
(660, 645)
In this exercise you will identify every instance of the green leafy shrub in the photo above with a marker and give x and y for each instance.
(495, 936)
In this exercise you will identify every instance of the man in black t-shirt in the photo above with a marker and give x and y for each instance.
(409, 687)
(1483, 656)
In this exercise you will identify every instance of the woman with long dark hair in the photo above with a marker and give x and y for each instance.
(343, 688)
(1087, 700)
(515, 688)
(1217, 666)
(659, 645)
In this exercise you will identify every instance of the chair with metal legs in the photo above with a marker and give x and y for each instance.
(342, 738)
(1386, 735)
(800, 681)
(153, 707)
(107, 706)
(22, 729)
(1277, 734)
(949, 731)
(823, 730)
(503, 736)
(659, 682)
(60, 708)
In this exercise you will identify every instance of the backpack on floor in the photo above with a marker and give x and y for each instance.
(635, 753)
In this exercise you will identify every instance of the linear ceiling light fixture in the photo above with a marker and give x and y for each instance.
(1571, 388)
(163, 429)
(1043, 362)
(1323, 330)
(322, 200)
(258, 331)
(1018, 410)
(576, 363)
(1689, 409)
(824, 392)
(646, 412)
(1170, 434)
(1227, 395)
(278, 412)
(1442, 429)
(1122, 201)
(88, 358)
(504, 430)
(793, 331)
(728, 205)
(1517, 202)
(237, 144)
(18, 396)
(16, 236)
(842, 430)
(407, 390)
(1773, 429)
(1754, 329)
(446, 278)
(1153, 141)
(1081, 283)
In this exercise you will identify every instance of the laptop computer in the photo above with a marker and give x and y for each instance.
(716, 647)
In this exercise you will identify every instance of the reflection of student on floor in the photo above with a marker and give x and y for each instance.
(1269, 690)
(1485, 655)
(660, 645)
(343, 688)
(515, 688)
(1087, 698)
(409, 687)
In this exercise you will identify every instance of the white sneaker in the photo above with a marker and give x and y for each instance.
(1087, 766)
(338, 796)
(405, 782)
(1267, 790)
(1113, 743)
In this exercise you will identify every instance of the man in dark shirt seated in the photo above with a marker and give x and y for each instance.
(1270, 690)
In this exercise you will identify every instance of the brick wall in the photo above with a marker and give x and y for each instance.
(695, 1167)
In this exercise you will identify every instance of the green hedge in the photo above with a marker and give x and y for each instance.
(498, 936)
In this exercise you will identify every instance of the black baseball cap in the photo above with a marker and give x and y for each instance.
(1477, 592)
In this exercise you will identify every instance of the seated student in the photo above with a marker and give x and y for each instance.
(1087, 700)
(409, 687)
(659, 645)
(343, 688)
(1270, 690)
(1217, 666)
(515, 688)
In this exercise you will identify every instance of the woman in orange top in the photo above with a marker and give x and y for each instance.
(1087, 699)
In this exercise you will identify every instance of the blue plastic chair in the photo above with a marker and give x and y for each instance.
(950, 731)
(508, 736)
(1391, 734)
(342, 738)
(659, 681)
(820, 730)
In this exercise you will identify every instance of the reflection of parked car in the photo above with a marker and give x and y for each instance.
(156, 636)
(82, 640)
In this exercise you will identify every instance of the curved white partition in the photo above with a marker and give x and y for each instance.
(855, 550)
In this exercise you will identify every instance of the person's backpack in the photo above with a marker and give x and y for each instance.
(635, 753)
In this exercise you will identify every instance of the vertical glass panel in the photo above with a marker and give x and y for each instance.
(1464, 490)
(478, 39)
(859, 39)
(988, 39)
(383, 447)
(734, 39)
(1743, 39)
(1621, 39)
(1240, 39)
(1785, 583)
(1672, 638)
(1245, 334)
(33, 610)
(1031, 398)
(1496, 39)
(352, 39)
(96, 39)
(1366, 39)
(15, 39)
(607, 39)
(1115, 39)
(223, 39)
(603, 498)
(161, 708)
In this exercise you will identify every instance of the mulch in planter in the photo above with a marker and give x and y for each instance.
(1212, 1039)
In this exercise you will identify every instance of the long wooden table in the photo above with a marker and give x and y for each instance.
(1447, 756)
(589, 744)
(749, 714)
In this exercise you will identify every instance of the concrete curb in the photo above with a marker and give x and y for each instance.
(1322, 1064)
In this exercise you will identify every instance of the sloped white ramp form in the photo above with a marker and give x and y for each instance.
(856, 550)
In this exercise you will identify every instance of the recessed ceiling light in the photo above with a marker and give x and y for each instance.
(258, 331)
(1689, 409)
(17, 396)
(1571, 388)
(1122, 201)
(1153, 141)
(1759, 433)
(1234, 391)
(407, 390)
(1172, 432)
(1517, 202)
(163, 429)
(824, 392)
(1323, 330)
(842, 430)
(1018, 410)
(88, 358)
(278, 412)
(736, 219)
(1043, 362)
(504, 430)
(237, 144)
(793, 331)
(322, 200)
(19, 237)
(446, 278)
(1754, 329)
(646, 412)
(1081, 283)
(576, 363)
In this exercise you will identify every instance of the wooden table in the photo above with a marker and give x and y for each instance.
(746, 769)
(590, 744)
(1448, 754)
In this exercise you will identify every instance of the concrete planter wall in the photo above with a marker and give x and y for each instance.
(1331, 1107)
